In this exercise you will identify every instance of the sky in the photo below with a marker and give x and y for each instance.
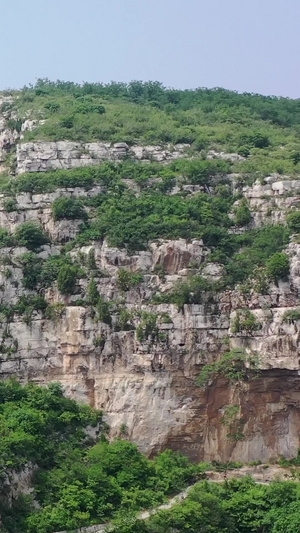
(243, 45)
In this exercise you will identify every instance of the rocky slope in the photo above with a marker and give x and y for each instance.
(147, 386)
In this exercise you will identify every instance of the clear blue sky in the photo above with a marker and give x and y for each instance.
(246, 45)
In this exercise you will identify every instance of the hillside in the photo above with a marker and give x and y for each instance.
(149, 256)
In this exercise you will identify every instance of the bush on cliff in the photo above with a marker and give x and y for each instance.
(278, 266)
(31, 235)
(67, 277)
(69, 208)
(293, 221)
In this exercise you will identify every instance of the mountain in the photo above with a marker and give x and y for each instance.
(150, 261)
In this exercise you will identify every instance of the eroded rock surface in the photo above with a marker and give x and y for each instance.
(147, 387)
(43, 156)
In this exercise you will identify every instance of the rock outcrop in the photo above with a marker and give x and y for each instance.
(149, 386)
(43, 156)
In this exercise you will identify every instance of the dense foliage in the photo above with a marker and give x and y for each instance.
(76, 481)
(232, 365)
(266, 128)
(239, 506)
(69, 208)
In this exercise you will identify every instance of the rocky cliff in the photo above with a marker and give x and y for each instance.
(146, 384)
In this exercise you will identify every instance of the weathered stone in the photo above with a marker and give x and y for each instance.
(43, 156)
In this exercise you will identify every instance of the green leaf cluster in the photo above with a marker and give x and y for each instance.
(234, 366)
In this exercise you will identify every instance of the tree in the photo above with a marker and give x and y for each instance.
(278, 266)
(31, 235)
(67, 277)
(69, 208)
(127, 280)
(92, 293)
(293, 221)
(243, 213)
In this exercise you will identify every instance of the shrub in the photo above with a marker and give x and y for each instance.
(232, 365)
(14, 124)
(243, 213)
(92, 293)
(125, 320)
(293, 221)
(52, 106)
(10, 205)
(69, 208)
(99, 342)
(295, 157)
(255, 248)
(186, 292)
(291, 315)
(147, 329)
(278, 266)
(260, 140)
(31, 270)
(51, 267)
(67, 278)
(67, 122)
(103, 309)
(126, 279)
(55, 311)
(26, 305)
(244, 151)
(256, 140)
(91, 261)
(245, 321)
(31, 235)
(5, 238)
(86, 107)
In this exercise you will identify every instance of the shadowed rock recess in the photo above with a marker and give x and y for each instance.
(117, 337)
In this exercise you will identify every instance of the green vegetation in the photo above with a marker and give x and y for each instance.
(265, 128)
(245, 321)
(186, 292)
(41, 274)
(6, 239)
(69, 208)
(127, 280)
(66, 279)
(92, 293)
(293, 221)
(253, 249)
(278, 266)
(290, 316)
(234, 366)
(103, 310)
(10, 205)
(130, 221)
(77, 481)
(243, 213)
(147, 329)
(25, 307)
(240, 506)
(126, 320)
(31, 235)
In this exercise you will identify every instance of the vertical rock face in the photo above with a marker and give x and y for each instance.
(43, 156)
(147, 386)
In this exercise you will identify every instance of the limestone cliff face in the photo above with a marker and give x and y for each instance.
(43, 156)
(147, 388)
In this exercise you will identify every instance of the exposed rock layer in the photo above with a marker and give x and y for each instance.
(42, 156)
(149, 387)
